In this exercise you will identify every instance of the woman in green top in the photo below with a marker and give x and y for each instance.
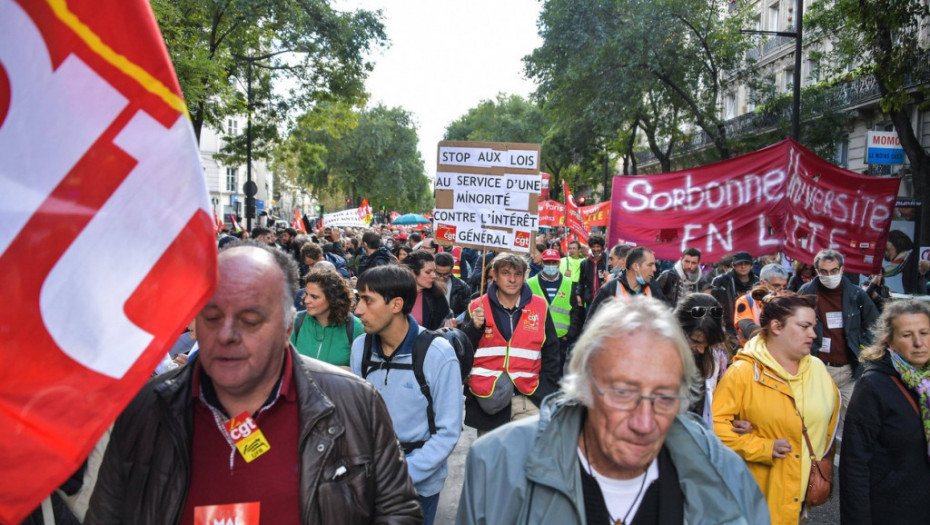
(322, 332)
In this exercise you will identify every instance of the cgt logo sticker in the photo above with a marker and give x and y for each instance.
(521, 239)
(445, 232)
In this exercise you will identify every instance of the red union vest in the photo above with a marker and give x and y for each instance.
(521, 358)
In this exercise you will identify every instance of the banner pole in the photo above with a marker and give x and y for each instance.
(484, 254)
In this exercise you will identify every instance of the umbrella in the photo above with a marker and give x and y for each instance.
(410, 218)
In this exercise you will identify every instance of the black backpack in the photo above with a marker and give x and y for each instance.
(464, 352)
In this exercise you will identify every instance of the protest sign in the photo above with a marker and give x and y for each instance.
(573, 215)
(780, 198)
(354, 217)
(487, 195)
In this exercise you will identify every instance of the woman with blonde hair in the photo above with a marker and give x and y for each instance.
(886, 437)
(788, 397)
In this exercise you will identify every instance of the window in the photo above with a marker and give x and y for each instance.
(232, 127)
(774, 21)
(232, 174)
(729, 106)
(842, 152)
(750, 100)
(789, 80)
(813, 70)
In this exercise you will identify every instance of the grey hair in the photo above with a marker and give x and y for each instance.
(773, 270)
(883, 331)
(289, 273)
(616, 318)
(829, 255)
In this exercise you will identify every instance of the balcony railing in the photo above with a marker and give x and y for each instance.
(846, 94)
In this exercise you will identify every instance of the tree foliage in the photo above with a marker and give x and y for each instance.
(655, 65)
(564, 150)
(369, 154)
(305, 44)
(883, 38)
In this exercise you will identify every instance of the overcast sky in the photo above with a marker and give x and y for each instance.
(447, 56)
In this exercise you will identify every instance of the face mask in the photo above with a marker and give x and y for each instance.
(389, 245)
(550, 271)
(615, 272)
(831, 281)
(639, 279)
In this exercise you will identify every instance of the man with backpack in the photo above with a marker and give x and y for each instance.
(397, 356)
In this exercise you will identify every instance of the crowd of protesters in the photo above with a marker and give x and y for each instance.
(754, 373)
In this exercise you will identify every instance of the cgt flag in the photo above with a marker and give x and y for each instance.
(107, 245)
(573, 215)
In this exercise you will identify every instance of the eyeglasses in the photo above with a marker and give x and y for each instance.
(443, 275)
(628, 400)
(830, 273)
(698, 312)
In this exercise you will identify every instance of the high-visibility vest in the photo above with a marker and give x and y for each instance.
(752, 311)
(520, 358)
(624, 295)
(561, 306)
(456, 261)
(571, 268)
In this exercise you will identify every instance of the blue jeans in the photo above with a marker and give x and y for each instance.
(429, 504)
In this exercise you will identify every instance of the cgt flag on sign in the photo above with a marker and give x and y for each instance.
(107, 243)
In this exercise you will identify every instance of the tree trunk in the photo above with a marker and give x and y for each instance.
(920, 168)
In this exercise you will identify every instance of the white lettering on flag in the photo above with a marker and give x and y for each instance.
(82, 300)
(53, 106)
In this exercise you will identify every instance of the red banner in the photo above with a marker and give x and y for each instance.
(780, 198)
(573, 216)
(552, 214)
(596, 215)
(108, 243)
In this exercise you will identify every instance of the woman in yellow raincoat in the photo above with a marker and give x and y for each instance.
(773, 383)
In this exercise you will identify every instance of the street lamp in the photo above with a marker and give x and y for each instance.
(250, 188)
(797, 35)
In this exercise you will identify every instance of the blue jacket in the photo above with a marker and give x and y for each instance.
(407, 406)
(528, 472)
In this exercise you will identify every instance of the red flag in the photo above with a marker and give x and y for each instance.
(364, 212)
(235, 223)
(107, 248)
(298, 223)
(575, 222)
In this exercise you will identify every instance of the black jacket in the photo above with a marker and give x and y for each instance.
(435, 308)
(548, 372)
(609, 291)
(885, 473)
(586, 279)
(145, 474)
(460, 295)
(726, 292)
(380, 257)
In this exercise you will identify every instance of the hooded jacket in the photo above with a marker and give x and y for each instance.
(145, 474)
(886, 474)
(528, 472)
(758, 389)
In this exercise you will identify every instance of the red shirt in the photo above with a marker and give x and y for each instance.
(220, 476)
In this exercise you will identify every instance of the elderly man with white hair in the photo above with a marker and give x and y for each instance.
(615, 445)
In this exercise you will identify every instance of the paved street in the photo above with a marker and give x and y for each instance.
(828, 514)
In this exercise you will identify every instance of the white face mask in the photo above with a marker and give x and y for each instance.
(831, 281)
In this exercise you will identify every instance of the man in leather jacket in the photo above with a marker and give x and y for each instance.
(249, 420)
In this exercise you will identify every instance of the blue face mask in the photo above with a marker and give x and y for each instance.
(616, 272)
(639, 279)
(550, 271)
